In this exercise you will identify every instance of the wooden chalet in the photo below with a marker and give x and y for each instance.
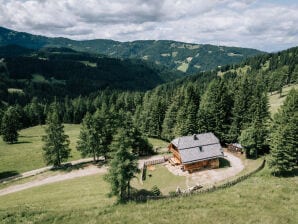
(196, 151)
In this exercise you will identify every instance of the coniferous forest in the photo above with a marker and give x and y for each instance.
(230, 101)
(136, 111)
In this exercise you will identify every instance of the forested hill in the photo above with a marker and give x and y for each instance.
(225, 101)
(58, 72)
(186, 57)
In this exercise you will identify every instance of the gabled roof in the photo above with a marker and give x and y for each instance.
(198, 147)
(195, 140)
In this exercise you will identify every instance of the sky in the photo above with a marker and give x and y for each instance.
(261, 24)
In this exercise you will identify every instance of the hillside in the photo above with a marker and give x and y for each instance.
(62, 71)
(260, 199)
(186, 57)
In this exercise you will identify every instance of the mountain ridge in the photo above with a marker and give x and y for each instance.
(188, 58)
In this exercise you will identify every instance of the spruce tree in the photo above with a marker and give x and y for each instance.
(240, 107)
(214, 112)
(10, 125)
(139, 143)
(253, 139)
(56, 143)
(284, 133)
(170, 120)
(123, 165)
(88, 139)
(104, 128)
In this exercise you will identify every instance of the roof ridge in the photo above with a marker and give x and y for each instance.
(215, 143)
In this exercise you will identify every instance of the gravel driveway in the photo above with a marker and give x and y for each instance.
(204, 177)
(210, 176)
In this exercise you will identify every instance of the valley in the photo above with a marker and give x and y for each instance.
(146, 131)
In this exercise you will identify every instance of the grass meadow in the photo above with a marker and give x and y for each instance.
(260, 199)
(27, 153)
(275, 100)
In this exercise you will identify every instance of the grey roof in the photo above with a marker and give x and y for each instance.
(198, 147)
(238, 145)
(189, 141)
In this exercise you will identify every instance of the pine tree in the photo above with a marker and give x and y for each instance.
(10, 125)
(170, 120)
(187, 112)
(56, 143)
(240, 108)
(253, 139)
(88, 139)
(214, 112)
(123, 165)
(104, 128)
(139, 143)
(283, 144)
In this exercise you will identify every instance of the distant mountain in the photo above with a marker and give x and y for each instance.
(186, 57)
(62, 71)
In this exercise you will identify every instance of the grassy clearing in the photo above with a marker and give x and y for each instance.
(14, 90)
(183, 67)
(39, 78)
(162, 178)
(240, 71)
(275, 100)
(260, 199)
(90, 64)
(158, 143)
(27, 154)
(159, 146)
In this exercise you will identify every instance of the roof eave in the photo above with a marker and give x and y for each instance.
(204, 159)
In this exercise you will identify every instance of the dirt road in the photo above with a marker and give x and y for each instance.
(88, 170)
(204, 177)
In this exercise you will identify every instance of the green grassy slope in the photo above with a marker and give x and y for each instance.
(27, 153)
(276, 100)
(259, 199)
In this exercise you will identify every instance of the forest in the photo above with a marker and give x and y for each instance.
(231, 101)
(178, 56)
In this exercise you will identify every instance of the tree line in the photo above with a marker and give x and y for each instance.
(233, 106)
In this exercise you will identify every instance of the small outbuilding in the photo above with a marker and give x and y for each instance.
(235, 147)
(196, 151)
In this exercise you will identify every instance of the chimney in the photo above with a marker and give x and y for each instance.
(195, 137)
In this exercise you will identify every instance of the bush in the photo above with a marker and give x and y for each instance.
(155, 191)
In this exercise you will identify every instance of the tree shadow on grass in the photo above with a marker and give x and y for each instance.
(68, 167)
(21, 142)
(7, 174)
(142, 195)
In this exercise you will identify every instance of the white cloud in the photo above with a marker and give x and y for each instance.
(246, 23)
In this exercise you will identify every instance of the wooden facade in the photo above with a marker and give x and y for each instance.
(190, 167)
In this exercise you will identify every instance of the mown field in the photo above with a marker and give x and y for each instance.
(260, 199)
(27, 153)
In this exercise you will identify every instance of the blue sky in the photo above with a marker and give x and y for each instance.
(265, 25)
